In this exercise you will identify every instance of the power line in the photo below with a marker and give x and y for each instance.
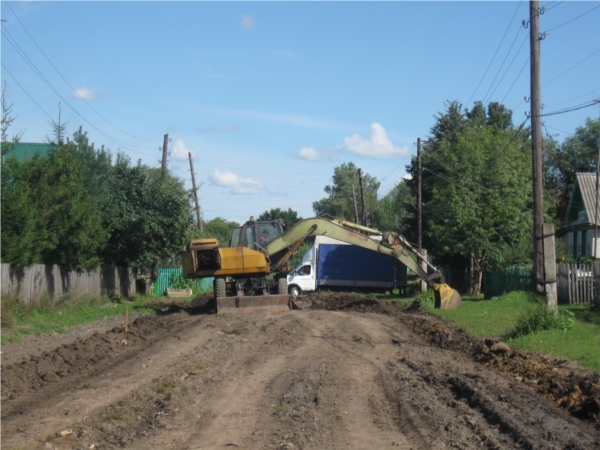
(494, 57)
(571, 68)
(513, 83)
(72, 88)
(563, 24)
(574, 98)
(574, 108)
(33, 67)
(36, 103)
(509, 66)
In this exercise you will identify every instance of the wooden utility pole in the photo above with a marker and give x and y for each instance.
(355, 207)
(198, 215)
(419, 196)
(165, 147)
(536, 139)
(362, 199)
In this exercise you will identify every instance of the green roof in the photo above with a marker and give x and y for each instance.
(25, 150)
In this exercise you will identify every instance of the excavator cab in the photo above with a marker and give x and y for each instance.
(256, 235)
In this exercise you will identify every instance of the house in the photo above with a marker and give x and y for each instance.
(579, 228)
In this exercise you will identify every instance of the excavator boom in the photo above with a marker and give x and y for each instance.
(248, 264)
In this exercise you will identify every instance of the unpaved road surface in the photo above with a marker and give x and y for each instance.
(343, 374)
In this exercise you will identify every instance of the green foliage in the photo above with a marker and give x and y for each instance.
(578, 153)
(540, 319)
(216, 228)
(148, 215)
(476, 188)
(339, 201)
(297, 258)
(177, 281)
(58, 316)
(290, 217)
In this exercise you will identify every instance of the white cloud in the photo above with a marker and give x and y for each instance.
(180, 150)
(310, 154)
(247, 22)
(235, 183)
(84, 93)
(378, 145)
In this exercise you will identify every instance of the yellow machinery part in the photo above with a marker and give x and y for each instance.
(446, 297)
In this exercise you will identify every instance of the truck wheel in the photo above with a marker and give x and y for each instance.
(220, 290)
(282, 286)
(294, 292)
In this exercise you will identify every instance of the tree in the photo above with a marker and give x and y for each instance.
(578, 153)
(481, 206)
(290, 217)
(71, 216)
(219, 228)
(339, 202)
(148, 216)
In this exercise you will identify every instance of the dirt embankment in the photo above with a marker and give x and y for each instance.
(344, 374)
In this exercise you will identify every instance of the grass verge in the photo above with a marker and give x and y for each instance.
(47, 316)
(500, 317)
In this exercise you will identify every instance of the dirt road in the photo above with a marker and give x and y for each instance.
(314, 379)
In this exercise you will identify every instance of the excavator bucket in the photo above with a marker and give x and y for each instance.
(271, 303)
(446, 297)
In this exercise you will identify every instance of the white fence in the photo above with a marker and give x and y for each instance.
(578, 283)
(39, 280)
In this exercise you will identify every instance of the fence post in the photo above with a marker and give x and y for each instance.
(550, 266)
(424, 267)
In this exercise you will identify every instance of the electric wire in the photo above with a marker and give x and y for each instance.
(508, 68)
(23, 89)
(494, 57)
(571, 68)
(68, 84)
(505, 58)
(573, 108)
(515, 80)
(33, 67)
(575, 18)
(574, 98)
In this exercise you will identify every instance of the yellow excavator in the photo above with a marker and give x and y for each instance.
(251, 272)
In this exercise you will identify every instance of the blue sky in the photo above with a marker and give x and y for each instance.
(270, 96)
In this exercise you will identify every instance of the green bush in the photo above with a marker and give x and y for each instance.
(540, 319)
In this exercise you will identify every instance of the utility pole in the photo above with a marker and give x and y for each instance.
(536, 139)
(362, 198)
(355, 207)
(419, 196)
(164, 156)
(198, 215)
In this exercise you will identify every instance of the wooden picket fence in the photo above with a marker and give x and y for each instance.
(52, 281)
(578, 283)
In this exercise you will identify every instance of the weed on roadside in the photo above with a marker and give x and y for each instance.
(539, 319)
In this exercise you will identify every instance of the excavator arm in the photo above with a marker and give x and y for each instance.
(391, 244)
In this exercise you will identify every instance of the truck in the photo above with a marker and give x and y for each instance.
(251, 272)
(333, 265)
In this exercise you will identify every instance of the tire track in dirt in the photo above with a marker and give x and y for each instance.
(305, 379)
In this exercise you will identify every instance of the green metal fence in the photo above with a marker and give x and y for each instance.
(163, 281)
(510, 279)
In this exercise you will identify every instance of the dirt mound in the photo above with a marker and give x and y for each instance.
(77, 360)
(564, 382)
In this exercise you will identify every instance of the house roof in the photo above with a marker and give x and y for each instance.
(23, 150)
(586, 183)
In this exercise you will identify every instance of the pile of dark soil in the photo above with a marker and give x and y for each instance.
(564, 382)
